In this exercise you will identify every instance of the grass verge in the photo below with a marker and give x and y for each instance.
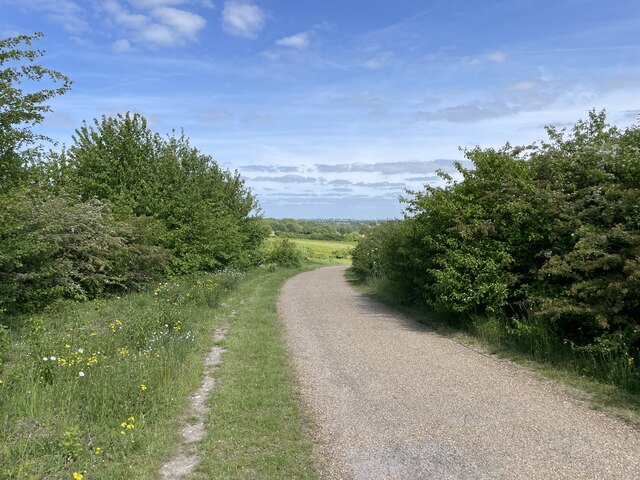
(99, 390)
(534, 350)
(95, 390)
(255, 429)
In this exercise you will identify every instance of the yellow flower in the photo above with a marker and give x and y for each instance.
(122, 432)
(1, 382)
(123, 352)
(123, 424)
(77, 476)
(67, 346)
(630, 361)
(143, 387)
(98, 450)
(130, 426)
(131, 419)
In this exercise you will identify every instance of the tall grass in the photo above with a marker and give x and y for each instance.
(96, 389)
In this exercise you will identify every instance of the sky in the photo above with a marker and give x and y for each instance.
(333, 109)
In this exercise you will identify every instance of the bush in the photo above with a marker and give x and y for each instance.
(206, 213)
(285, 253)
(546, 235)
(57, 248)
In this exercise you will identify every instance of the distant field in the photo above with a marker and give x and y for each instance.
(326, 249)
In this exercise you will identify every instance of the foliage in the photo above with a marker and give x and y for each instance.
(206, 212)
(285, 253)
(548, 233)
(57, 247)
(336, 230)
(20, 110)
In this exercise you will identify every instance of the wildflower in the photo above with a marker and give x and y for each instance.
(98, 450)
(67, 346)
(122, 432)
(123, 352)
(1, 382)
(81, 374)
(123, 424)
(93, 359)
(143, 387)
(77, 476)
(630, 361)
(44, 359)
(131, 419)
(81, 350)
(93, 334)
(52, 358)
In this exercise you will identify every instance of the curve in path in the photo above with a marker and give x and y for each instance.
(394, 400)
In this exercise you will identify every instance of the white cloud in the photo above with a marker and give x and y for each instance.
(496, 56)
(379, 61)
(123, 18)
(67, 13)
(122, 45)
(186, 23)
(160, 26)
(155, 3)
(299, 41)
(158, 35)
(242, 19)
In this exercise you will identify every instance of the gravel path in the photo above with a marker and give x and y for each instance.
(393, 400)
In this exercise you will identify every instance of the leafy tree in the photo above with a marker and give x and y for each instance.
(207, 214)
(20, 109)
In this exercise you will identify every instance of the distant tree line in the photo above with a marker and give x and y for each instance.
(544, 239)
(321, 229)
(119, 208)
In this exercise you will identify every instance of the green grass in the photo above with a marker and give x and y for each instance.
(326, 249)
(110, 405)
(255, 429)
(525, 344)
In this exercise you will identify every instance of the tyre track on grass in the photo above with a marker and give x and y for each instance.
(393, 399)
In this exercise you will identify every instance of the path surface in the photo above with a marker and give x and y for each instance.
(394, 400)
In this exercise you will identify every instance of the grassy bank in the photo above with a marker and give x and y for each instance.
(255, 429)
(98, 390)
(527, 344)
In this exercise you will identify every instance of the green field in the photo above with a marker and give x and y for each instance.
(326, 249)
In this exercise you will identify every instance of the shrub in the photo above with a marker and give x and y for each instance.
(58, 247)
(285, 253)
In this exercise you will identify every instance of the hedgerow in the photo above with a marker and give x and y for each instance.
(546, 234)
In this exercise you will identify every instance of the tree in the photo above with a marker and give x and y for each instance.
(206, 213)
(22, 108)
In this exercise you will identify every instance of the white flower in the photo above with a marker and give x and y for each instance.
(81, 374)
(81, 350)
(44, 359)
(52, 358)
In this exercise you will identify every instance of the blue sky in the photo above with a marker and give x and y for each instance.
(331, 109)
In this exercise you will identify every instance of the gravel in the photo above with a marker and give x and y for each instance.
(392, 399)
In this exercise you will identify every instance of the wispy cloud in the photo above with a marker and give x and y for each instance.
(67, 13)
(299, 41)
(387, 168)
(242, 19)
(287, 179)
(158, 25)
(269, 168)
(496, 56)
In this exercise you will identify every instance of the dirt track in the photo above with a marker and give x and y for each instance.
(393, 400)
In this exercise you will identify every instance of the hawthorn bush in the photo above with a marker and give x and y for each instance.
(547, 234)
